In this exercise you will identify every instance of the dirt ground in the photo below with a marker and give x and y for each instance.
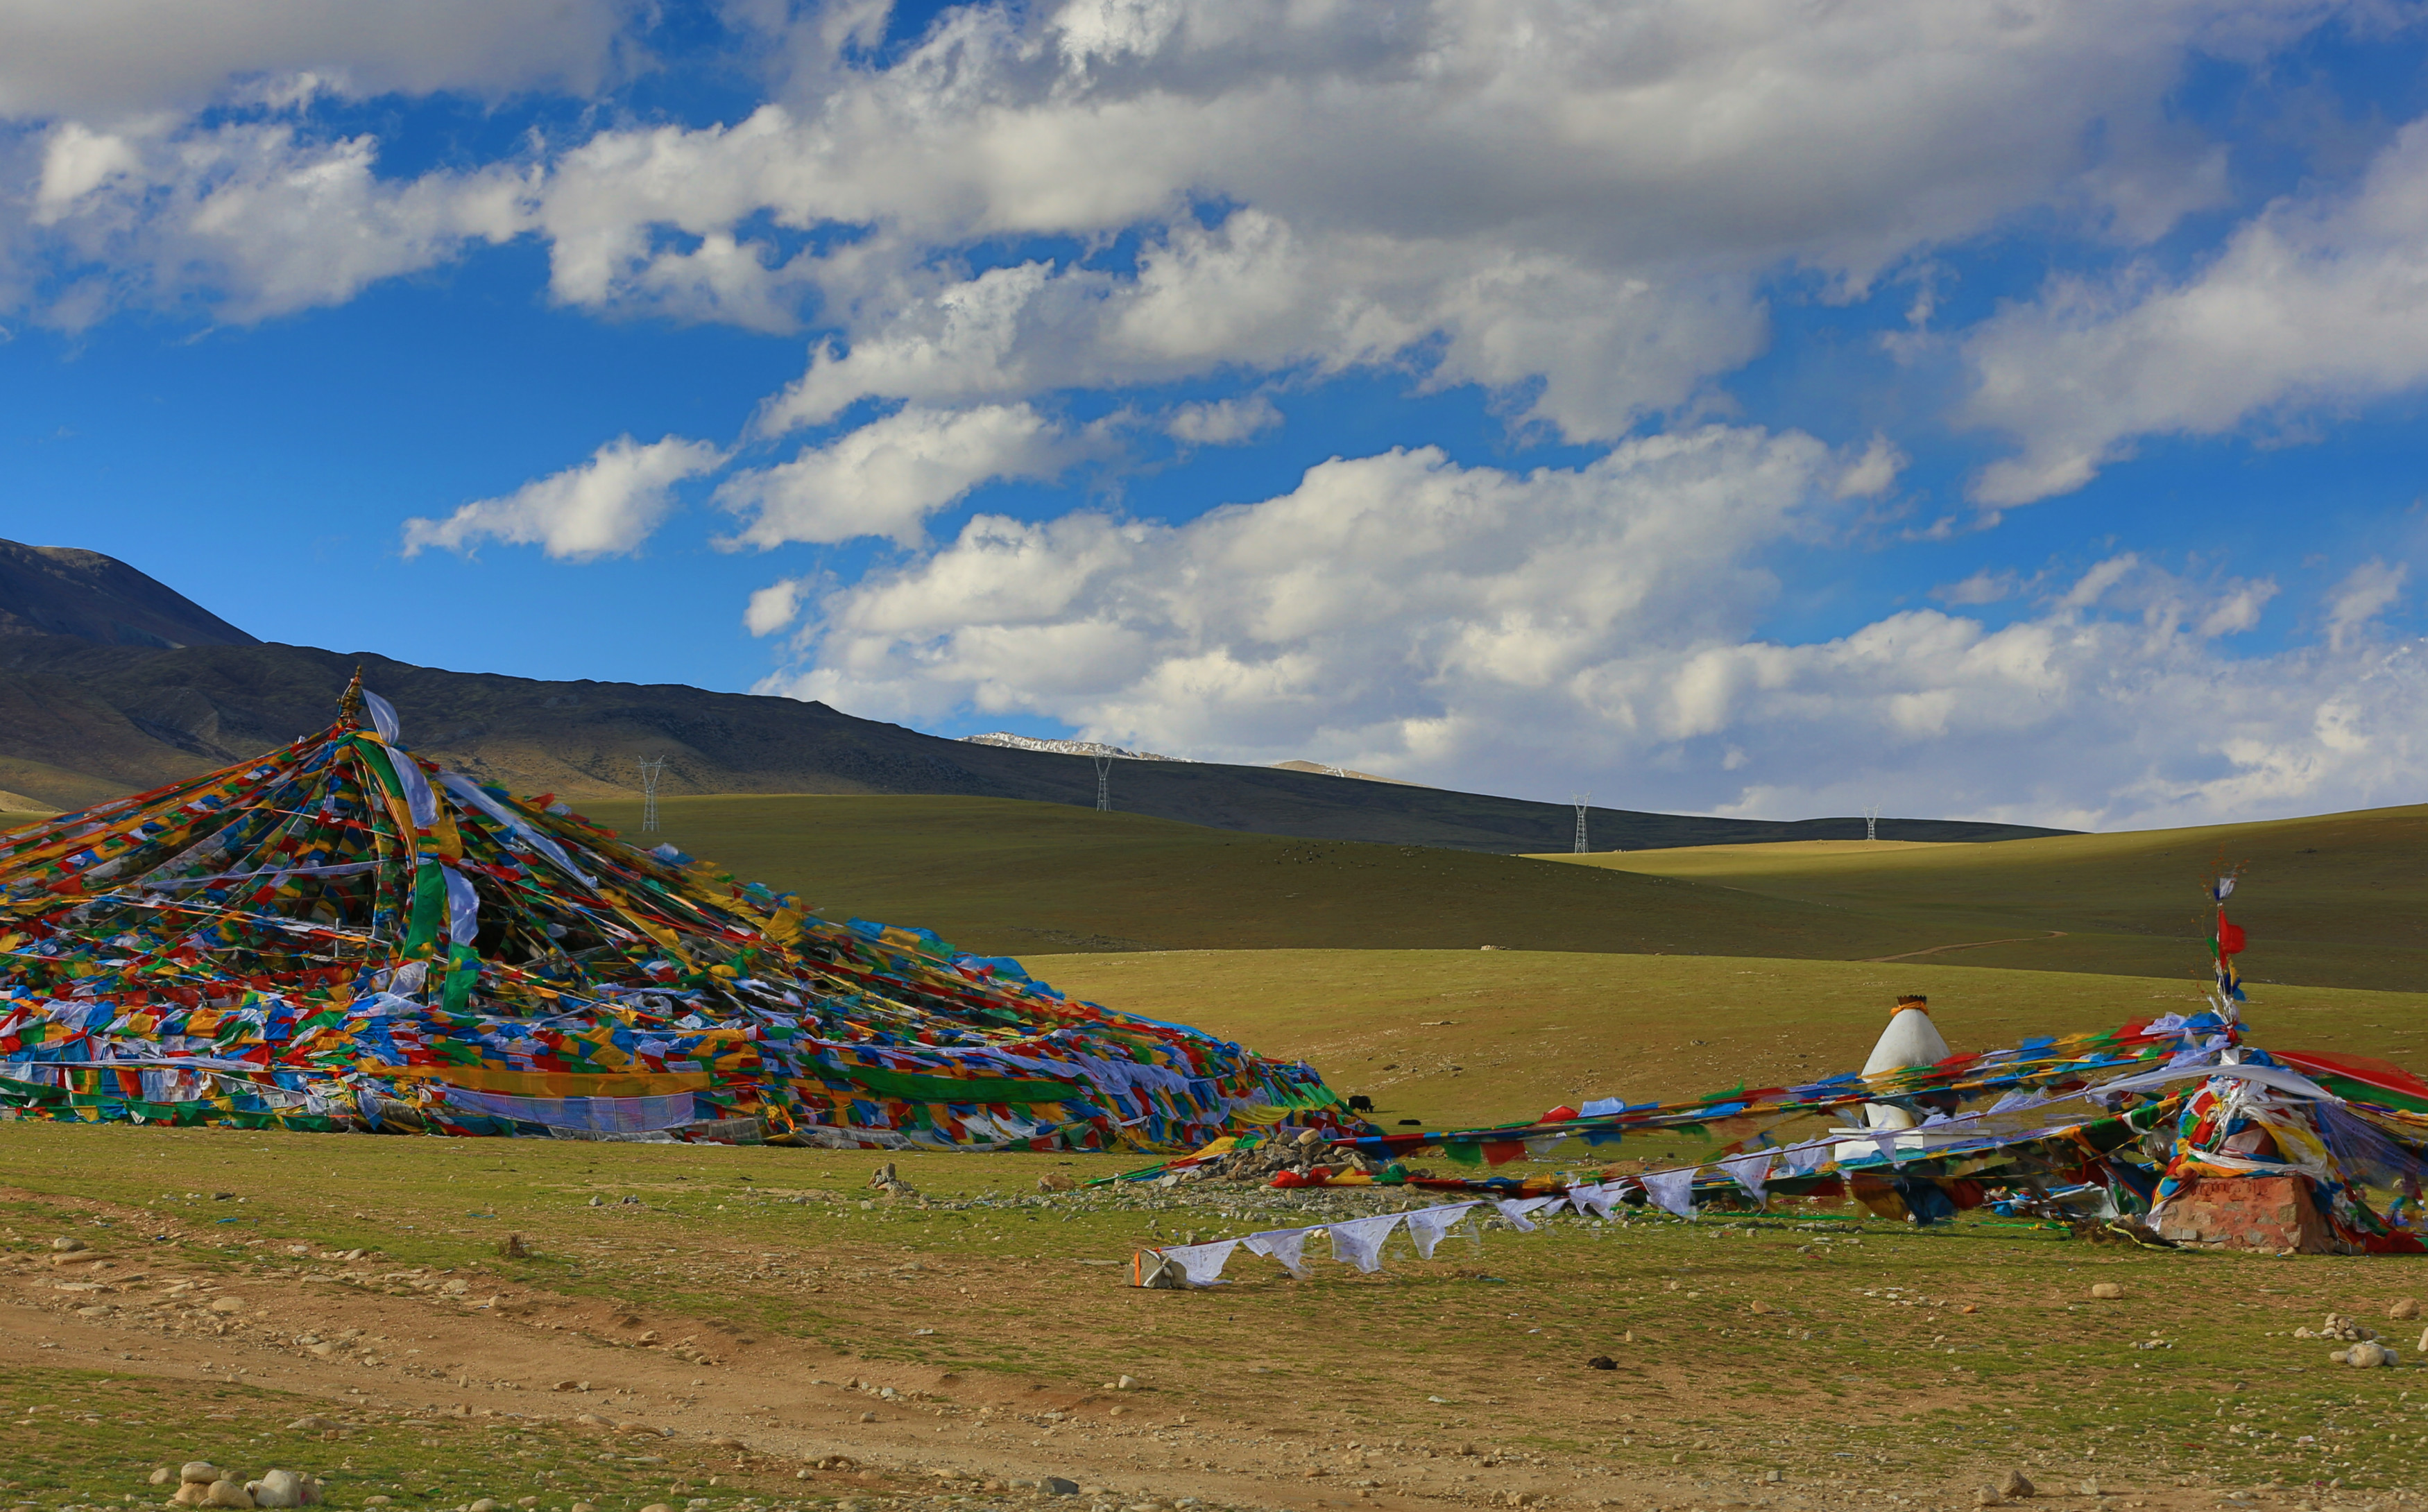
(165, 1298)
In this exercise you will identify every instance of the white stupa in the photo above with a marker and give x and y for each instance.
(1910, 1040)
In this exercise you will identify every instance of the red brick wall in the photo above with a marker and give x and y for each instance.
(2247, 1213)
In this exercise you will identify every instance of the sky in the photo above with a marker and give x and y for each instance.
(2004, 410)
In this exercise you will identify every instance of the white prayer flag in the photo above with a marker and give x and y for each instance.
(1426, 1225)
(1803, 1160)
(1596, 1197)
(1360, 1242)
(1671, 1191)
(1888, 1143)
(1283, 1244)
(1515, 1211)
(1202, 1263)
(1750, 1171)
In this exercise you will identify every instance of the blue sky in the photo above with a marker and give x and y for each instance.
(1996, 410)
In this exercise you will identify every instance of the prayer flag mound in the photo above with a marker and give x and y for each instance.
(337, 935)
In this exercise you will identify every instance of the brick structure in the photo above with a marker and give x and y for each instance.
(2247, 1213)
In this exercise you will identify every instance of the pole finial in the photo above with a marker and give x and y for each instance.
(350, 704)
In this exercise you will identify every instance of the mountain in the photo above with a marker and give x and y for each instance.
(58, 590)
(96, 702)
(1067, 748)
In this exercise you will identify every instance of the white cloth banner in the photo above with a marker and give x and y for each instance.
(1360, 1242)
(1671, 1191)
(1750, 1171)
(1428, 1225)
(1515, 1211)
(1202, 1263)
(463, 906)
(383, 718)
(1596, 1197)
(1803, 1160)
(1283, 1244)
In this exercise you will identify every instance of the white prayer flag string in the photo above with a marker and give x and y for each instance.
(1428, 1225)
(1202, 1263)
(1672, 1192)
(1283, 1244)
(1750, 1171)
(1360, 1242)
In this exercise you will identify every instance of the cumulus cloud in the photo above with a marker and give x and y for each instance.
(2322, 298)
(773, 607)
(252, 218)
(2371, 590)
(606, 507)
(99, 60)
(1598, 627)
(1222, 422)
(1574, 202)
(888, 476)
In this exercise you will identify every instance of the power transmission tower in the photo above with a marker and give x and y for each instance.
(649, 771)
(1582, 801)
(1104, 784)
(1872, 822)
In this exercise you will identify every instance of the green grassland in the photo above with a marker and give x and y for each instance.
(2329, 901)
(1845, 1353)
(2332, 899)
(1471, 1036)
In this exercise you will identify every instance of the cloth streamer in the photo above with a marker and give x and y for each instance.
(1427, 1225)
(1284, 1244)
(1360, 1242)
(1202, 1263)
(1672, 1192)
(1750, 1171)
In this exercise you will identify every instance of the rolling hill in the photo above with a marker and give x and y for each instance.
(86, 715)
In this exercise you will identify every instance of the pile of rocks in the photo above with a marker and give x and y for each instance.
(2361, 1348)
(202, 1484)
(1303, 1154)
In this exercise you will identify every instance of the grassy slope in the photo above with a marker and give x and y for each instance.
(1003, 877)
(1528, 1031)
(2327, 899)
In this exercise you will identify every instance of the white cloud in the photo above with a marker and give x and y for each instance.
(2371, 588)
(2320, 299)
(1983, 587)
(254, 218)
(105, 60)
(1571, 203)
(1874, 473)
(1596, 627)
(888, 476)
(1222, 422)
(773, 607)
(605, 507)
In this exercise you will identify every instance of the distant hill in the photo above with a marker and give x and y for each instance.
(111, 682)
(58, 590)
(1065, 747)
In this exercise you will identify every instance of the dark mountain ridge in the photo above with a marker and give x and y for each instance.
(110, 706)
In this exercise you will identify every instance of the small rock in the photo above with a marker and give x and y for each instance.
(657, 1506)
(67, 1243)
(227, 1305)
(584, 1506)
(192, 1493)
(1054, 1181)
(277, 1487)
(1057, 1485)
(652, 1336)
(1601, 1362)
(487, 1503)
(2089, 1488)
(227, 1493)
(311, 1423)
(456, 1287)
(200, 1471)
(565, 1385)
(2404, 1310)
(2107, 1290)
(1987, 1496)
(527, 1502)
(723, 1442)
(163, 1475)
(2014, 1483)
(592, 1419)
(377, 1501)
(1125, 1384)
(868, 1417)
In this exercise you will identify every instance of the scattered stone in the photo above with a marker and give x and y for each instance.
(652, 1336)
(377, 1501)
(585, 1506)
(1987, 1496)
(725, 1443)
(657, 1506)
(2107, 1290)
(1601, 1362)
(1054, 1181)
(227, 1492)
(227, 1305)
(2404, 1310)
(283, 1487)
(163, 1475)
(527, 1502)
(1125, 1384)
(889, 1181)
(565, 1385)
(67, 1243)
(592, 1419)
(311, 1423)
(1057, 1485)
(2014, 1483)
(2365, 1355)
(198, 1472)
(487, 1503)
(2089, 1487)
(868, 1417)
(456, 1287)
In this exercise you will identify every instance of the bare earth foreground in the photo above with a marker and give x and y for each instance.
(724, 1323)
